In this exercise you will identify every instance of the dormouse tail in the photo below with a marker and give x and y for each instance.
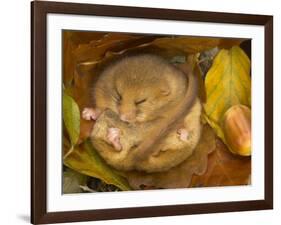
(149, 146)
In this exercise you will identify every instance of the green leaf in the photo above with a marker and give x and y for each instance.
(72, 181)
(227, 83)
(85, 159)
(71, 118)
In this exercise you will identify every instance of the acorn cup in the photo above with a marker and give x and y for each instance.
(236, 126)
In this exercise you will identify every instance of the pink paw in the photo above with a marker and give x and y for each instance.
(90, 114)
(113, 136)
(183, 134)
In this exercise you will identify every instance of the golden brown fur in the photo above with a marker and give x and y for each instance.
(124, 86)
(173, 149)
(146, 89)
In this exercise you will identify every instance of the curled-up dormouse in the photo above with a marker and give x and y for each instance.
(147, 113)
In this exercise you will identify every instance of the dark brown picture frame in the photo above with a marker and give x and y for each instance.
(39, 11)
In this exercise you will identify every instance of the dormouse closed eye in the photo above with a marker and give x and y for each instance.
(140, 101)
(119, 96)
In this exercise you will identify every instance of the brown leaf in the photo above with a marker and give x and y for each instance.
(192, 45)
(224, 169)
(83, 51)
(68, 65)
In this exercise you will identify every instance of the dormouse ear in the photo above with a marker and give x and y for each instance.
(165, 91)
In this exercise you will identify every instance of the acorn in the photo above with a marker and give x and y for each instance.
(236, 126)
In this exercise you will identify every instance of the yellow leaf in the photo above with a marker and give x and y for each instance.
(227, 83)
(85, 160)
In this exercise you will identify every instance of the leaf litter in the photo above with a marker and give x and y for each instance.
(212, 166)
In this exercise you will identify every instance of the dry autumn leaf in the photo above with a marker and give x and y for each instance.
(227, 83)
(83, 51)
(224, 169)
(87, 48)
(192, 45)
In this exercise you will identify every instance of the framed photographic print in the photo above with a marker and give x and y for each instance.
(143, 112)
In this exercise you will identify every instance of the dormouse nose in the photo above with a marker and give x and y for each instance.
(128, 117)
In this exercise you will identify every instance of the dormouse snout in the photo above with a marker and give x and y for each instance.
(127, 110)
(128, 117)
